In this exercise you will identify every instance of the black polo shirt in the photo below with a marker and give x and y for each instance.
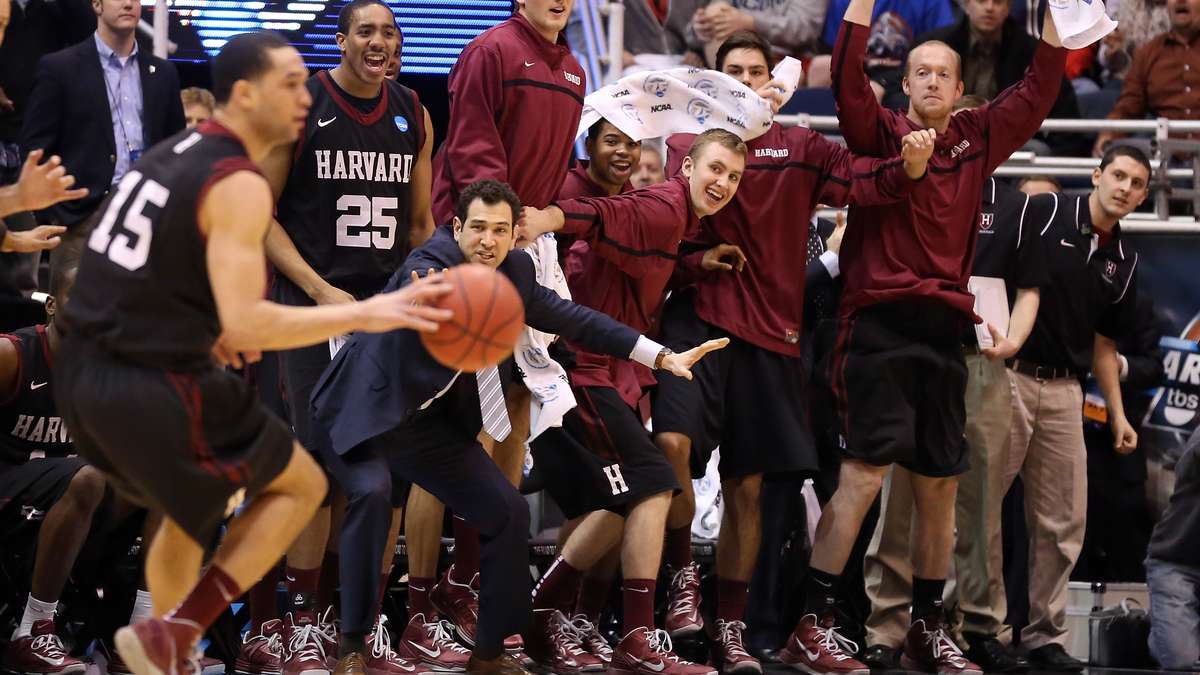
(1092, 288)
(1008, 245)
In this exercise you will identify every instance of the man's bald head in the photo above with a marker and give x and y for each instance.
(931, 52)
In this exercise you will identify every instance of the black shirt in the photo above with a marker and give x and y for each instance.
(30, 425)
(142, 292)
(1092, 288)
(347, 202)
(1009, 244)
(1176, 537)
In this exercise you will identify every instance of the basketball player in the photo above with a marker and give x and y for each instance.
(760, 309)
(516, 94)
(171, 286)
(41, 184)
(897, 371)
(45, 492)
(1009, 247)
(391, 412)
(355, 193)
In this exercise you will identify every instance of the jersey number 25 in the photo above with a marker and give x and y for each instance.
(366, 225)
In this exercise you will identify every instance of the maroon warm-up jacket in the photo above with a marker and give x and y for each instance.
(515, 103)
(634, 239)
(788, 172)
(924, 247)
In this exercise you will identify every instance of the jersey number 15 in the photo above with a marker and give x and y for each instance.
(364, 224)
(121, 249)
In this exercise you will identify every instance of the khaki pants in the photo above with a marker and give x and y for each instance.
(977, 582)
(1048, 452)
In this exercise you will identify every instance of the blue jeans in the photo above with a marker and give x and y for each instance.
(1174, 614)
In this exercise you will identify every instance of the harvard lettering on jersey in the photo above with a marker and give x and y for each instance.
(142, 292)
(347, 203)
(29, 422)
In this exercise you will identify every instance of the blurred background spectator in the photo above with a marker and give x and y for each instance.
(649, 170)
(793, 27)
(198, 105)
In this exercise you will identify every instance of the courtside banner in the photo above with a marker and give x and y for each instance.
(1167, 273)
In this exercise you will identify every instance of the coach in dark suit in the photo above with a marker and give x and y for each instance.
(388, 411)
(99, 105)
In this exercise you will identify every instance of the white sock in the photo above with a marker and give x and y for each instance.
(35, 610)
(142, 608)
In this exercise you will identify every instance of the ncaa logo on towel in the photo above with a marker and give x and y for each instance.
(700, 109)
(631, 112)
(707, 87)
(655, 84)
(401, 123)
(536, 357)
(547, 393)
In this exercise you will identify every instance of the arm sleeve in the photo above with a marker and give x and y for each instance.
(849, 179)
(473, 147)
(687, 268)
(1030, 259)
(790, 24)
(1122, 314)
(1132, 102)
(629, 230)
(859, 114)
(1015, 115)
(595, 331)
(41, 127)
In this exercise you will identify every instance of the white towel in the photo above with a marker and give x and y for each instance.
(1080, 22)
(545, 378)
(685, 100)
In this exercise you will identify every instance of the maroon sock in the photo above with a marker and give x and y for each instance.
(302, 589)
(593, 595)
(731, 599)
(466, 552)
(679, 547)
(558, 586)
(418, 597)
(638, 595)
(328, 582)
(264, 599)
(211, 595)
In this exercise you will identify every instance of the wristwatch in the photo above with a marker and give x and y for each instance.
(666, 351)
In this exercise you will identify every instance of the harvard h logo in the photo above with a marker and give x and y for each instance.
(615, 480)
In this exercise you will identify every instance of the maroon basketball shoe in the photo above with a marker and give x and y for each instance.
(729, 650)
(817, 648)
(262, 650)
(683, 602)
(645, 651)
(929, 649)
(459, 603)
(40, 653)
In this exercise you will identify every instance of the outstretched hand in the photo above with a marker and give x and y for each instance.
(45, 184)
(681, 364)
(409, 307)
(916, 148)
(723, 257)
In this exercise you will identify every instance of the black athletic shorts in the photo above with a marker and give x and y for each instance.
(191, 445)
(748, 400)
(899, 381)
(602, 458)
(29, 490)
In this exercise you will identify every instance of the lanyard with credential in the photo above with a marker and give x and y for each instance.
(134, 154)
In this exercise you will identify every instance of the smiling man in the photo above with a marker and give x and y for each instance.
(353, 198)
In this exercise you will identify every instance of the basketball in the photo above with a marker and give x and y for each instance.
(488, 318)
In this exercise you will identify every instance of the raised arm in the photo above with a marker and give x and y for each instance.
(847, 178)
(234, 218)
(1016, 114)
(859, 113)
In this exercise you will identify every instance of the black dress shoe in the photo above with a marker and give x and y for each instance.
(765, 654)
(501, 665)
(994, 657)
(1054, 657)
(881, 657)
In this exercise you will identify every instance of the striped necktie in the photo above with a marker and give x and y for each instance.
(491, 404)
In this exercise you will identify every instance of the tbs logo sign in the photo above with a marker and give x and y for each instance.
(1176, 407)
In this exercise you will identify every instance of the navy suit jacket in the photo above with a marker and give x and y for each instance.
(69, 116)
(378, 381)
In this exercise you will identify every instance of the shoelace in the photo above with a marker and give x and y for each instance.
(381, 641)
(590, 634)
(568, 635)
(685, 582)
(471, 599)
(943, 646)
(439, 632)
(328, 626)
(50, 645)
(836, 644)
(659, 642)
(731, 637)
(306, 643)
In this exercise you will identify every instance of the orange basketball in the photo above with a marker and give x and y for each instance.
(488, 318)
